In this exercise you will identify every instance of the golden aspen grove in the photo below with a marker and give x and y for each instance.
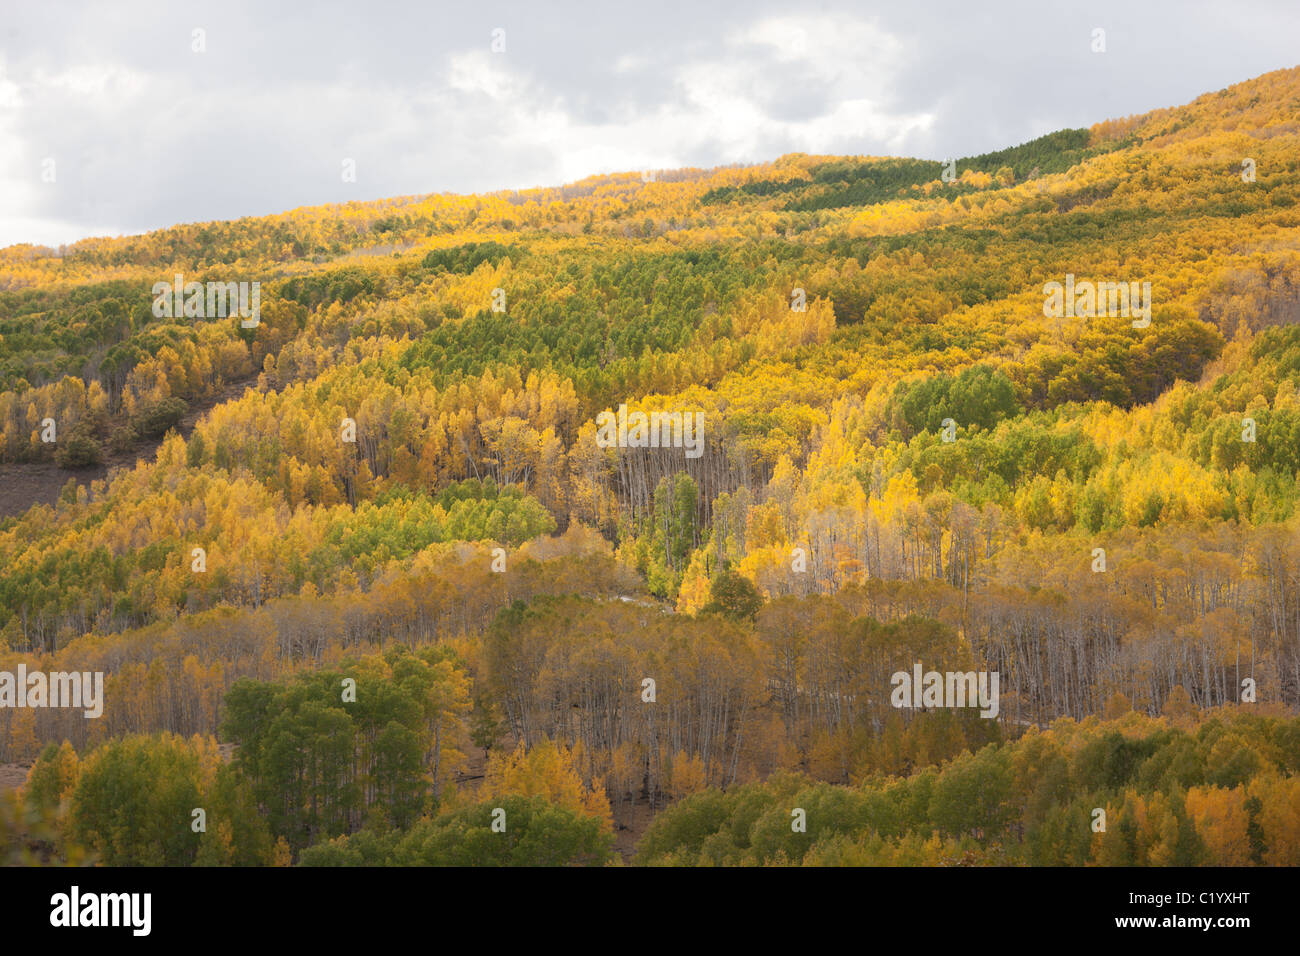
(425, 544)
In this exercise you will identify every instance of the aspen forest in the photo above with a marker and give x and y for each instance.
(389, 559)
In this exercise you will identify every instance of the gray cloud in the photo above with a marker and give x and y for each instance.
(145, 133)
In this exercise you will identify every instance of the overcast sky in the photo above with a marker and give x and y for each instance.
(144, 132)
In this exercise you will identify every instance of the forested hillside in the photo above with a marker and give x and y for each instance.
(903, 457)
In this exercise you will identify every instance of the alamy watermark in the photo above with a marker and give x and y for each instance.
(656, 430)
(76, 909)
(1086, 299)
(211, 300)
(83, 690)
(933, 689)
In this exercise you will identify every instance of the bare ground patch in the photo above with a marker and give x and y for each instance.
(12, 775)
(23, 484)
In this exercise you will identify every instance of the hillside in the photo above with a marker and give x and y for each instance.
(903, 458)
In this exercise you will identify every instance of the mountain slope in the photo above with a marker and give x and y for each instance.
(473, 341)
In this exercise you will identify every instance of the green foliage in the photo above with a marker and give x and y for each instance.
(536, 833)
(156, 418)
(1029, 801)
(334, 286)
(46, 333)
(470, 256)
(324, 756)
(1113, 362)
(671, 532)
(733, 595)
(399, 525)
(133, 801)
(978, 397)
(78, 450)
(855, 183)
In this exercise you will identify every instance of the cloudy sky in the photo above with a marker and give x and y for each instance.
(137, 129)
